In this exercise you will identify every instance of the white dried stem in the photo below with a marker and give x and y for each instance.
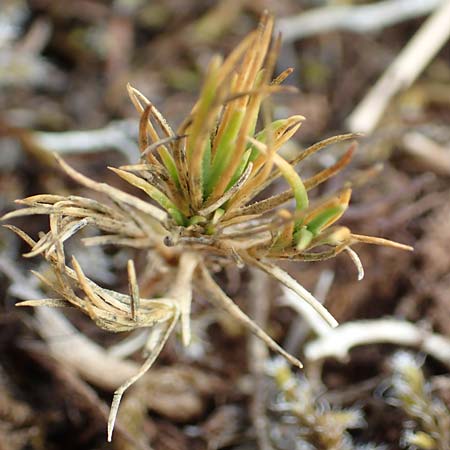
(408, 65)
(182, 292)
(129, 345)
(428, 152)
(356, 18)
(284, 278)
(119, 135)
(356, 261)
(305, 310)
(77, 351)
(220, 299)
(307, 319)
(338, 342)
(165, 331)
(133, 288)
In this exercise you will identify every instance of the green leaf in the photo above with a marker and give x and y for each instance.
(169, 163)
(323, 218)
(302, 238)
(153, 193)
(224, 151)
(240, 170)
(206, 165)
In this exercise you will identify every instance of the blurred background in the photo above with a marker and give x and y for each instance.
(380, 67)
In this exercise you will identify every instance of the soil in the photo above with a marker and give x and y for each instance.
(65, 67)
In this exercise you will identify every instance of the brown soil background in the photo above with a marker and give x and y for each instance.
(65, 67)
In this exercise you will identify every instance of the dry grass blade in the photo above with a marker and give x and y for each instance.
(329, 172)
(263, 206)
(358, 264)
(290, 283)
(320, 177)
(51, 302)
(380, 241)
(163, 334)
(133, 288)
(216, 295)
(153, 193)
(114, 194)
(151, 148)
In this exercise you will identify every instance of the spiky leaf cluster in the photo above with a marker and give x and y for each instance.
(429, 428)
(200, 212)
(302, 420)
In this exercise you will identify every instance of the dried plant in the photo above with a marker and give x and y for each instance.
(429, 425)
(202, 181)
(302, 420)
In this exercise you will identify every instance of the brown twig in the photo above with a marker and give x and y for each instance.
(259, 290)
